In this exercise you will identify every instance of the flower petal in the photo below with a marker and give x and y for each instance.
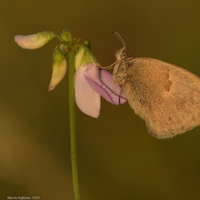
(34, 41)
(59, 66)
(86, 98)
(102, 82)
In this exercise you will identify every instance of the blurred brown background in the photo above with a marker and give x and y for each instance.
(118, 159)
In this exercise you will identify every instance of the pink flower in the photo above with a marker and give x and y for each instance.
(90, 83)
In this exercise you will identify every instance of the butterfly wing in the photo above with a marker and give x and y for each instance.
(165, 96)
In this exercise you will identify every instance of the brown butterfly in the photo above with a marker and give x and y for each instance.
(166, 96)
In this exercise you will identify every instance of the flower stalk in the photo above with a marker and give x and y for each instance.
(71, 70)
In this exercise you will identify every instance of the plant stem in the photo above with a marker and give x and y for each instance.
(71, 68)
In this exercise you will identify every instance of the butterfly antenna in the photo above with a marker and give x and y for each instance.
(120, 38)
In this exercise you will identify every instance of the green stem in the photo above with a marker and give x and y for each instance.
(71, 68)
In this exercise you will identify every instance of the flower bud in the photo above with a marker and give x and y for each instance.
(59, 65)
(87, 43)
(34, 41)
(79, 57)
(83, 57)
(66, 36)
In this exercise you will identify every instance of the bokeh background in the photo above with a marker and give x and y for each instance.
(118, 159)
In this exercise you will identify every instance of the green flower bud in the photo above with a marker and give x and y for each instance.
(59, 65)
(66, 36)
(83, 57)
(34, 41)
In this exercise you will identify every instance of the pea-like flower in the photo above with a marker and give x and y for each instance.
(90, 83)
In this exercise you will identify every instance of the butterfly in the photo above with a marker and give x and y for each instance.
(166, 96)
